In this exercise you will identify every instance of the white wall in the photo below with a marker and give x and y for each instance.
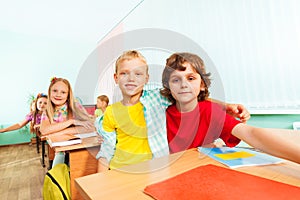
(42, 39)
(253, 44)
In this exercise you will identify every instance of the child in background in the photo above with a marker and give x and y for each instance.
(37, 107)
(102, 103)
(33, 105)
(134, 129)
(193, 121)
(64, 115)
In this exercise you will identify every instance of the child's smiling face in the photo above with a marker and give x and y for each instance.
(131, 76)
(186, 85)
(41, 103)
(59, 93)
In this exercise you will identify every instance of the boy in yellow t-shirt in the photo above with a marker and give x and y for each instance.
(126, 117)
(132, 146)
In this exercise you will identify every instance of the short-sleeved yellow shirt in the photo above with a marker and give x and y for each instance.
(129, 123)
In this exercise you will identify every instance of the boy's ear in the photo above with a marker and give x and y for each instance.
(147, 78)
(116, 78)
(202, 86)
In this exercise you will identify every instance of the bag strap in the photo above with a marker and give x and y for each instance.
(57, 184)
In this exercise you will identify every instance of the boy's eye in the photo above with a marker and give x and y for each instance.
(191, 78)
(175, 80)
(123, 73)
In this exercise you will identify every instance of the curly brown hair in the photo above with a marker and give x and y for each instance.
(175, 62)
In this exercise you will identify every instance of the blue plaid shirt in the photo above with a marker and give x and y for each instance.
(154, 105)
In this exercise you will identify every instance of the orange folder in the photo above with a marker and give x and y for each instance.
(218, 183)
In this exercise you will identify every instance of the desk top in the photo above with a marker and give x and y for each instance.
(130, 181)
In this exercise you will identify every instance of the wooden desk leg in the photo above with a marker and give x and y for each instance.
(82, 163)
(51, 155)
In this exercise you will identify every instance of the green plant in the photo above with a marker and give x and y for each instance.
(31, 97)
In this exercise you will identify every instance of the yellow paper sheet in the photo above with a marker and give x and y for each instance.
(234, 155)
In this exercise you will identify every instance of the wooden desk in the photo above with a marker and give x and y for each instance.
(130, 182)
(82, 161)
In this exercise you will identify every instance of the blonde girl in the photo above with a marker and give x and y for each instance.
(63, 114)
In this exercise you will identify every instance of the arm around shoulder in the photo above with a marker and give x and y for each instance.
(235, 110)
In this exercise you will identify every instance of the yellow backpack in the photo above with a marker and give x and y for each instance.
(57, 183)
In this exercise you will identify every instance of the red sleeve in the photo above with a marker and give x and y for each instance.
(223, 124)
(226, 135)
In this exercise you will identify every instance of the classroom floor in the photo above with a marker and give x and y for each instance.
(21, 173)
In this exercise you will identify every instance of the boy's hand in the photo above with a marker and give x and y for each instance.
(102, 165)
(238, 111)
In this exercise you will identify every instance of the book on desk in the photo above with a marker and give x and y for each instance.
(234, 157)
(68, 139)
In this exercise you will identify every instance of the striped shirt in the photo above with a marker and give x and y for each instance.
(154, 107)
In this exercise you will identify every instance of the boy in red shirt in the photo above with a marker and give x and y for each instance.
(192, 121)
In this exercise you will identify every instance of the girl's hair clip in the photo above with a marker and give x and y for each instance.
(41, 95)
(53, 79)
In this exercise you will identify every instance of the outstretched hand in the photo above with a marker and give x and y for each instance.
(238, 111)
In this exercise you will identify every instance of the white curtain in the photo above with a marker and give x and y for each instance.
(253, 44)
